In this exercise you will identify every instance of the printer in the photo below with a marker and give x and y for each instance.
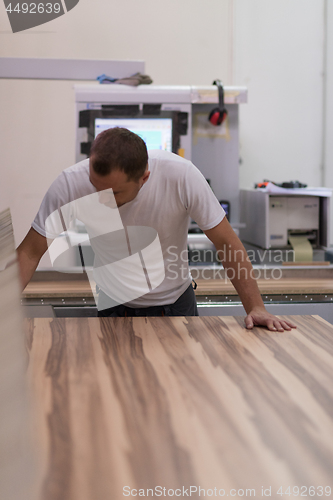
(271, 219)
(292, 216)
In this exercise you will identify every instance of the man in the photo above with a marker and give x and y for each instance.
(149, 202)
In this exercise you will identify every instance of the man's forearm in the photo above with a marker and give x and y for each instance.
(240, 272)
(29, 254)
(237, 264)
(27, 267)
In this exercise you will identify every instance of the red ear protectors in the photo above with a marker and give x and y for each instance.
(218, 115)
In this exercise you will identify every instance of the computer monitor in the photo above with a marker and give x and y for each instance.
(156, 132)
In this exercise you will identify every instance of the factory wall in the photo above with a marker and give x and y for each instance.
(273, 47)
(283, 53)
(328, 111)
(279, 57)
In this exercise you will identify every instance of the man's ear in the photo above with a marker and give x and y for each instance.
(145, 176)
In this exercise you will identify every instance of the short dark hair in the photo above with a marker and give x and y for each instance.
(119, 148)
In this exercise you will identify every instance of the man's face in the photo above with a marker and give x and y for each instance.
(124, 190)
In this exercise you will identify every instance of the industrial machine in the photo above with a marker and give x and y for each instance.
(177, 119)
(295, 219)
(174, 118)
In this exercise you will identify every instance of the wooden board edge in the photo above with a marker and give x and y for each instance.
(322, 320)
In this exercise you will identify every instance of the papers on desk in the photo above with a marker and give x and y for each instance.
(274, 189)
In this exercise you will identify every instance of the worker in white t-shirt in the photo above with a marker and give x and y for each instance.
(136, 211)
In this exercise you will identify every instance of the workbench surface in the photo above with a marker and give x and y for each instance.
(125, 404)
(63, 289)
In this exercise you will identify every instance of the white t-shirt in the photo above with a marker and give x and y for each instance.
(174, 192)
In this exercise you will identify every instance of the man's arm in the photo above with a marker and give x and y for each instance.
(238, 267)
(29, 253)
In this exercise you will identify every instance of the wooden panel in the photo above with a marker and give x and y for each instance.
(58, 289)
(180, 402)
(16, 459)
(62, 289)
(268, 286)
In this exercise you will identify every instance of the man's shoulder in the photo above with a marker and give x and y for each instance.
(166, 156)
(166, 164)
(77, 178)
(72, 183)
(80, 167)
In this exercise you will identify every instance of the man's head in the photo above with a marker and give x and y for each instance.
(119, 160)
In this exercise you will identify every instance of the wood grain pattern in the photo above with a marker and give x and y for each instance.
(63, 289)
(269, 286)
(310, 263)
(16, 457)
(173, 402)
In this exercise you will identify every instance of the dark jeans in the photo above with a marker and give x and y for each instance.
(186, 305)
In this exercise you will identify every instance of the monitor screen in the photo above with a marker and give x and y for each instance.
(156, 132)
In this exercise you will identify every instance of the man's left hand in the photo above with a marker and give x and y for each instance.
(260, 317)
